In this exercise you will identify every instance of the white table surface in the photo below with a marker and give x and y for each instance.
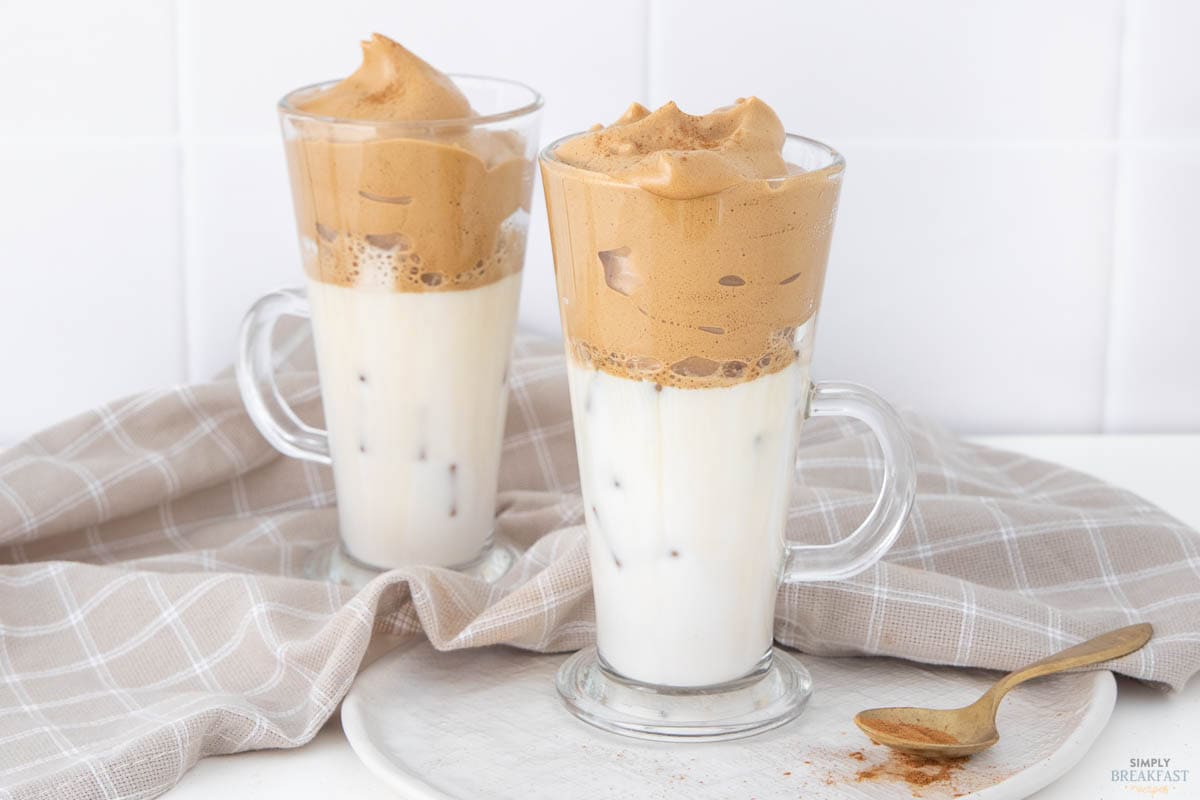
(1145, 723)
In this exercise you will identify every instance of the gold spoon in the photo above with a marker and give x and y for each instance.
(947, 733)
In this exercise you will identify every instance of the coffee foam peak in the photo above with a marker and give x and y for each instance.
(391, 84)
(681, 156)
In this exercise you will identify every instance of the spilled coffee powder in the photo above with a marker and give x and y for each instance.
(916, 771)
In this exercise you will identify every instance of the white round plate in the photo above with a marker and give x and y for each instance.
(487, 723)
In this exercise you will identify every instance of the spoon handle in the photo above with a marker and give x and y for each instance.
(1113, 644)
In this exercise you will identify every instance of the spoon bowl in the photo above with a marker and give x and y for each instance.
(953, 732)
(935, 732)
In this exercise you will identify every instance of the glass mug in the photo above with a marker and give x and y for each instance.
(689, 326)
(413, 240)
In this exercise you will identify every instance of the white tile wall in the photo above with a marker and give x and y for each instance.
(239, 57)
(1160, 93)
(75, 68)
(92, 302)
(1016, 251)
(240, 240)
(970, 281)
(1153, 377)
(926, 69)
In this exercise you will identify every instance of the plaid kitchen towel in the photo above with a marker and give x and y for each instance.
(152, 610)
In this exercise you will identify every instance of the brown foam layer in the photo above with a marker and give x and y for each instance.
(390, 262)
(672, 154)
(408, 209)
(390, 84)
(687, 252)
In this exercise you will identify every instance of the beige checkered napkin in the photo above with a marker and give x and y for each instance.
(151, 613)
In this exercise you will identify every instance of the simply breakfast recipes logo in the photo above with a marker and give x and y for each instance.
(1151, 776)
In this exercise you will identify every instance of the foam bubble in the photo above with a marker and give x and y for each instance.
(693, 371)
(644, 365)
(733, 369)
(695, 367)
(387, 261)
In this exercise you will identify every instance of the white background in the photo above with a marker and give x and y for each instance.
(1018, 248)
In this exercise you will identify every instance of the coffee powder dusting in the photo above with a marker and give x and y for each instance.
(916, 771)
(911, 732)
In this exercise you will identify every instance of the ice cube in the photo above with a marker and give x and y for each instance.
(399, 199)
(326, 233)
(388, 241)
(619, 271)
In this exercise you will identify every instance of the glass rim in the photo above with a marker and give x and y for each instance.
(285, 107)
(836, 163)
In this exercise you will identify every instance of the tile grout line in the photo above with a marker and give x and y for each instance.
(1117, 224)
(965, 142)
(183, 206)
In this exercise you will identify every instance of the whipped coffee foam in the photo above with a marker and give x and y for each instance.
(415, 203)
(701, 251)
(680, 156)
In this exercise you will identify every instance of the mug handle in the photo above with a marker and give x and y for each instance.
(877, 533)
(269, 412)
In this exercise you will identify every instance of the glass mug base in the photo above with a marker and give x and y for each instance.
(335, 565)
(771, 696)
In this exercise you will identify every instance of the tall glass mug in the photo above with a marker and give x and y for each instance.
(689, 327)
(413, 239)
